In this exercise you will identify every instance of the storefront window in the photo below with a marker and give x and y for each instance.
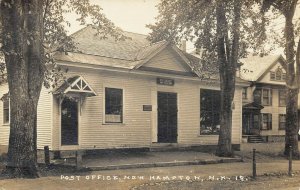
(209, 112)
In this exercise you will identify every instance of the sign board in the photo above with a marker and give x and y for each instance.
(165, 81)
(147, 107)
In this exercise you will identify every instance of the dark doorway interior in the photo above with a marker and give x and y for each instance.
(167, 117)
(69, 122)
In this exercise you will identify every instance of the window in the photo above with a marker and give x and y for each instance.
(113, 105)
(6, 116)
(244, 95)
(263, 96)
(210, 101)
(278, 75)
(267, 121)
(266, 97)
(282, 97)
(282, 118)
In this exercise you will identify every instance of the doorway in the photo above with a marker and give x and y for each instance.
(167, 117)
(69, 122)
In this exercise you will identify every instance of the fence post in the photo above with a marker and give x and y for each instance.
(47, 155)
(290, 160)
(78, 159)
(254, 164)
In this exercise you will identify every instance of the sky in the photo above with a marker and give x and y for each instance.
(133, 15)
(129, 15)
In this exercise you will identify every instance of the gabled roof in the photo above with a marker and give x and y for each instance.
(87, 42)
(254, 67)
(128, 54)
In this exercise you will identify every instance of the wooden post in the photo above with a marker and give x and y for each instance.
(254, 165)
(78, 159)
(290, 160)
(47, 155)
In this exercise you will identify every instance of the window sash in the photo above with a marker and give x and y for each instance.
(266, 96)
(267, 121)
(113, 105)
(282, 121)
(244, 93)
(282, 98)
(6, 115)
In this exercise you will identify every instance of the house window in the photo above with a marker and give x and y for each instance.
(6, 116)
(282, 97)
(113, 105)
(282, 118)
(267, 121)
(278, 75)
(210, 101)
(244, 95)
(267, 97)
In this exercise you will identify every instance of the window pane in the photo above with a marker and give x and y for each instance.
(272, 75)
(267, 121)
(113, 105)
(5, 109)
(209, 112)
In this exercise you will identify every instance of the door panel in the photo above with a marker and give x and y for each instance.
(69, 122)
(167, 117)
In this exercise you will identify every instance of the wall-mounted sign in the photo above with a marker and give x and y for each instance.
(147, 107)
(165, 81)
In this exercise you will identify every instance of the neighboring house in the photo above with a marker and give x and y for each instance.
(128, 94)
(264, 100)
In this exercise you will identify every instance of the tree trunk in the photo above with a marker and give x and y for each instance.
(227, 58)
(291, 131)
(22, 36)
(226, 81)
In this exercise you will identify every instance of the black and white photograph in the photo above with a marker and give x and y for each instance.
(149, 94)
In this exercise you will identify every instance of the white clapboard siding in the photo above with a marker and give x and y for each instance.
(4, 128)
(93, 132)
(167, 59)
(44, 119)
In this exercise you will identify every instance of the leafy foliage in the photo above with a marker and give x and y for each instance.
(195, 20)
(55, 36)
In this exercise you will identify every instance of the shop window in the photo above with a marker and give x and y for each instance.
(210, 101)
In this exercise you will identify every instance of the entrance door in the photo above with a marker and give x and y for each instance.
(167, 117)
(69, 122)
(246, 124)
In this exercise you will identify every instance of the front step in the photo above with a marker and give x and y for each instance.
(255, 139)
(161, 147)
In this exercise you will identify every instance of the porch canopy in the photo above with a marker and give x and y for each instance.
(75, 86)
(253, 106)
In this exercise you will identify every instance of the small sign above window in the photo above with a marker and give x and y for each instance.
(147, 107)
(165, 81)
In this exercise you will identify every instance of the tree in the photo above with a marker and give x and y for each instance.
(30, 31)
(287, 9)
(216, 26)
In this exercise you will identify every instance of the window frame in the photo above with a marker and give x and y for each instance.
(210, 110)
(280, 122)
(104, 106)
(244, 92)
(280, 98)
(269, 96)
(4, 122)
(278, 75)
(269, 121)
